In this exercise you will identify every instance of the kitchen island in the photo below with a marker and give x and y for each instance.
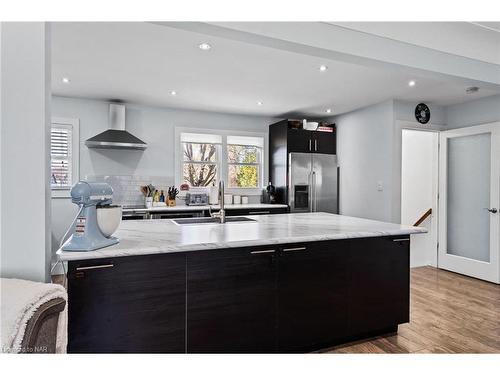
(283, 283)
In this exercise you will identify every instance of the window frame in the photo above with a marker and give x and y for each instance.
(223, 158)
(259, 164)
(217, 162)
(74, 123)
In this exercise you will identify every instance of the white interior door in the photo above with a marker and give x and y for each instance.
(469, 196)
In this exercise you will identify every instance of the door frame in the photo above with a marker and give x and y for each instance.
(455, 263)
(410, 125)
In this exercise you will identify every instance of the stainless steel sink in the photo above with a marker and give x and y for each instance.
(210, 220)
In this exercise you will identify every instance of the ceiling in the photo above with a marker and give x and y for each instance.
(143, 62)
(475, 40)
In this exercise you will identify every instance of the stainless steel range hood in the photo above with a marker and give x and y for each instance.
(116, 137)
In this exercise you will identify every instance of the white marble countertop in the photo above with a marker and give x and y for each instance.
(249, 206)
(140, 237)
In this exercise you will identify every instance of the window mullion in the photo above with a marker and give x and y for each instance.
(224, 172)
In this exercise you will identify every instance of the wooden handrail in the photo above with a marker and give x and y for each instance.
(423, 217)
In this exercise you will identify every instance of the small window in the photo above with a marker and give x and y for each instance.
(61, 156)
(200, 159)
(64, 154)
(244, 161)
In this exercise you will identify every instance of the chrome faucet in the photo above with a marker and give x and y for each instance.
(222, 212)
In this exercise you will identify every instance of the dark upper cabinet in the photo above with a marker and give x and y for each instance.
(380, 287)
(313, 295)
(127, 305)
(231, 301)
(323, 143)
(299, 140)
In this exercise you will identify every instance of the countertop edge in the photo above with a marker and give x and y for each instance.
(99, 254)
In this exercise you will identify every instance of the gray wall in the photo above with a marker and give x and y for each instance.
(24, 154)
(405, 111)
(475, 112)
(369, 152)
(365, 155)
(154, 125)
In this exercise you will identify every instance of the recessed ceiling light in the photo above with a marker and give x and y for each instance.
(412, 83)
(323, 68)
(205, 46)
(173, 93)
(66, 80)
(328, 110)
(259, 103)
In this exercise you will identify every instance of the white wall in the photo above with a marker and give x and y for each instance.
(404, 118)
(480, 111)
(25, 194)
(154, 125)
(419, 186)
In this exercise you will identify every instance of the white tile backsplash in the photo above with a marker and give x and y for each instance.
(126, 188)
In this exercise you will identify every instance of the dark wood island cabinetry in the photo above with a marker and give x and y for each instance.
(294, 297)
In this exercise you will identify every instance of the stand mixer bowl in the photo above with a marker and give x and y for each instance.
(108, 219)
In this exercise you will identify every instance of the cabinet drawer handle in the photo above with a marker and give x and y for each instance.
(310, 145)
(262, 252)
(94, 267)
(259, 212)
(295, 249)
(400, 239)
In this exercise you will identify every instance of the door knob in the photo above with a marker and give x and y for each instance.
(492, 210)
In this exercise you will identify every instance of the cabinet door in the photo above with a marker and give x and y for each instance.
(323, 142)
(256, 211)
(299, 140)
(313, 281)
(380, 283)
(127, 305)
(231, 301)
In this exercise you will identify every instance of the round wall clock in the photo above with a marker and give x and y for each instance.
(422, 113)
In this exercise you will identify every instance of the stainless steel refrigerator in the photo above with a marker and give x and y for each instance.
(313, 182)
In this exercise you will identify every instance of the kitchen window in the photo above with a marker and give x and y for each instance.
(64, 155)
(234, 157)
(200, 159)
(244, 162)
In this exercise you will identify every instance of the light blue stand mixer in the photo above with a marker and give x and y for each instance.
(86, 234)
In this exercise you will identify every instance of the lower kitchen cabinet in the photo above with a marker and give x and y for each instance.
(256, 211)
(231, 301)
(380, 286)
(127, 305)
(286, 298)
(313, 295)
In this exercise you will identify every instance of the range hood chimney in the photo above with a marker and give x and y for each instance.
(116, 137)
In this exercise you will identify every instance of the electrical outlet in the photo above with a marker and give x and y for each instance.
(380, 186)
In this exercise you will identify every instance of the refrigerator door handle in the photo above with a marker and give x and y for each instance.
(313, 194)
(310, 182)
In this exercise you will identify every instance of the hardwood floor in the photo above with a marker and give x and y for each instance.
(449, 313)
